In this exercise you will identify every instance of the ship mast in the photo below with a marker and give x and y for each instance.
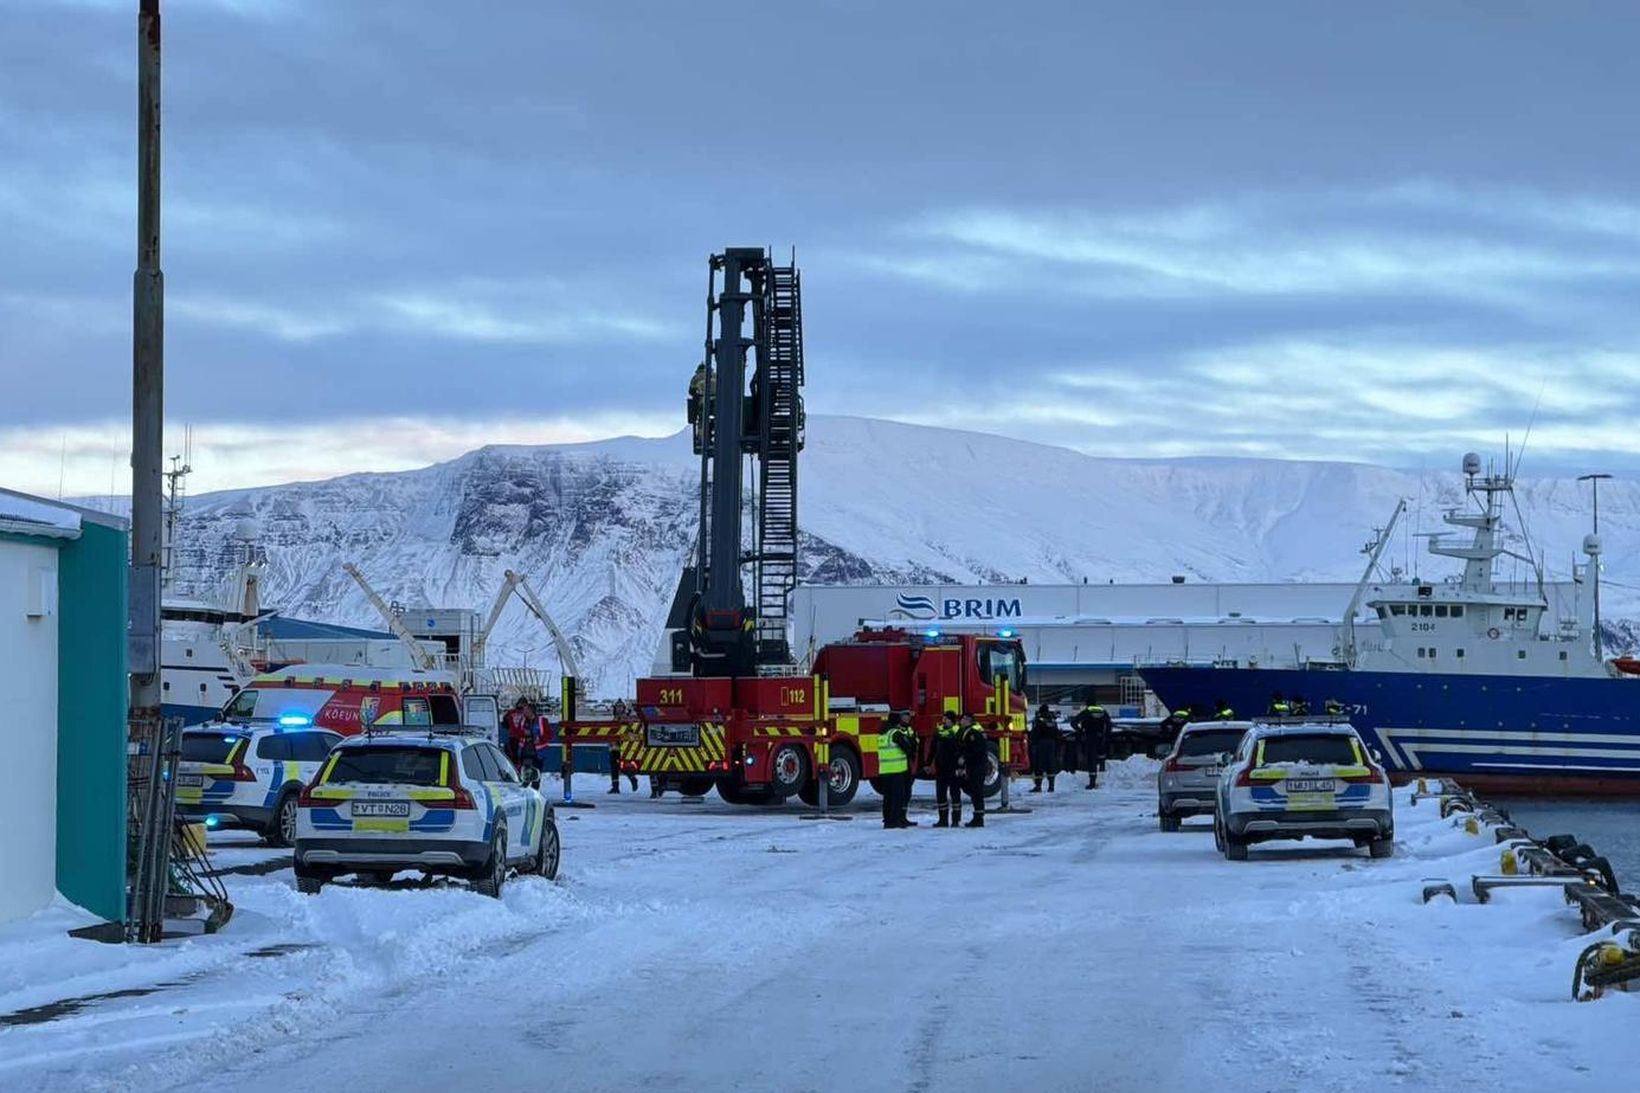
(1374, 551)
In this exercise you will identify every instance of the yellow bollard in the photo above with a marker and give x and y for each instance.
(1472, 826)
(1508, 865)
(194, 836)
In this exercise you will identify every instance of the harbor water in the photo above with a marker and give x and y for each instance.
(1611, 827)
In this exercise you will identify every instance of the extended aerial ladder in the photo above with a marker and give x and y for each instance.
(720, 633)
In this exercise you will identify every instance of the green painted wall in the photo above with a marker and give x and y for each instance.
(93, 694)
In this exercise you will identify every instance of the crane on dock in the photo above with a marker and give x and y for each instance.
(418, 655)
(515, 583)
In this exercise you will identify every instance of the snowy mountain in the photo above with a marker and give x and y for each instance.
(602, 529)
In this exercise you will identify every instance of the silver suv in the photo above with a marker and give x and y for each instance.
(1186, 784)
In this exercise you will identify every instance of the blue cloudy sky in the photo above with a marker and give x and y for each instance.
(397, 230)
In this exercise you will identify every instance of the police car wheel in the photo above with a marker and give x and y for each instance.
(1234, 849)
(551, 851)
(1382, 848)
(281, 830)
(493, 873)
(1169, 823)
(309, 886)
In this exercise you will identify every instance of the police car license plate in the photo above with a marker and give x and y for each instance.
(392, 809)
(1211, 772)
(190, 779)
(1311, 794)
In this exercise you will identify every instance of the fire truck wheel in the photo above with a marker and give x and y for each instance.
(845, 777)
(695, 787)
(788, 769)
(993, 775)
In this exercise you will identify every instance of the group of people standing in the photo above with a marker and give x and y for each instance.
(961, 757)
(1089, 745)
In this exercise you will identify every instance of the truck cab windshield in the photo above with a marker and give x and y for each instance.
(999, 660)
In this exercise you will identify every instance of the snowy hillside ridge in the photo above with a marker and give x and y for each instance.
(602, 529)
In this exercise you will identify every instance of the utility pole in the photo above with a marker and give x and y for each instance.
(1591, 546)
(152, 814)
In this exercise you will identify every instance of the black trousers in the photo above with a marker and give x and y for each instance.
(976, 793)
(894, 790)
(948, 790)
(1044, 759)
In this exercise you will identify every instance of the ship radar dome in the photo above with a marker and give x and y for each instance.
(1591, 545)
(1471, 464)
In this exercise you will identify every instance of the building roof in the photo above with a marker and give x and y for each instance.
(281, 628)
(21, 514)
(25, 514)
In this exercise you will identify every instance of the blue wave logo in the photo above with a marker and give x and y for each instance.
(915, 607)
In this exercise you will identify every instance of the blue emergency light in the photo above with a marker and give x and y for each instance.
(292, 720)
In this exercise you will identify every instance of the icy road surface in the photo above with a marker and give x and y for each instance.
(701, 946)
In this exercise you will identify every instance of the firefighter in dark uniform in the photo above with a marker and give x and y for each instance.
(1278, 706)
(1173, 722)
(976, 756)
(947, 786)
(1044, 748)
(896, 762)
(1092, 727)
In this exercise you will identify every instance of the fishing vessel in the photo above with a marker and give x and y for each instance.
(1462, 677)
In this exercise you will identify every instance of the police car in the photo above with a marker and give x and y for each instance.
(1314, 780)
(440, 802)
(249, 776)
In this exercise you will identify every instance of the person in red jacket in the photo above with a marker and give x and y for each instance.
(519, 725)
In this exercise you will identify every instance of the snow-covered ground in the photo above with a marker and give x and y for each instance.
(700, 946)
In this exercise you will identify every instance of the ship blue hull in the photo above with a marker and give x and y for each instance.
(1504, 733)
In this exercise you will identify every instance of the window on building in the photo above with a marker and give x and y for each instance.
(1440, 610)
(1457, 610)
(1425, 610)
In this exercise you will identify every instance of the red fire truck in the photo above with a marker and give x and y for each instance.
(734, 713)
(761, 739)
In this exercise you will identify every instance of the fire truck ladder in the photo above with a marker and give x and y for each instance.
(780, 438)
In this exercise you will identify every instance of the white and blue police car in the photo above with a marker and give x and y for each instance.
(249, 776)
(444, 803)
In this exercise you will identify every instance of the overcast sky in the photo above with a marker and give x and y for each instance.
(398, 230)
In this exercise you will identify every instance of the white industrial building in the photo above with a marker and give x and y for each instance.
(1081, 636)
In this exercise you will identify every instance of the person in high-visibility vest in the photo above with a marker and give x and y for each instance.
(1278, 706)
(896, 746)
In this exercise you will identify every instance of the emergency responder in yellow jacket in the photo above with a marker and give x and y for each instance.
(896, 756)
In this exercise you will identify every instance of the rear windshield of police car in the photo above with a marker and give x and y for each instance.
(207, 747)
(404, 766)
(1210, 741)
(1319, 748)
